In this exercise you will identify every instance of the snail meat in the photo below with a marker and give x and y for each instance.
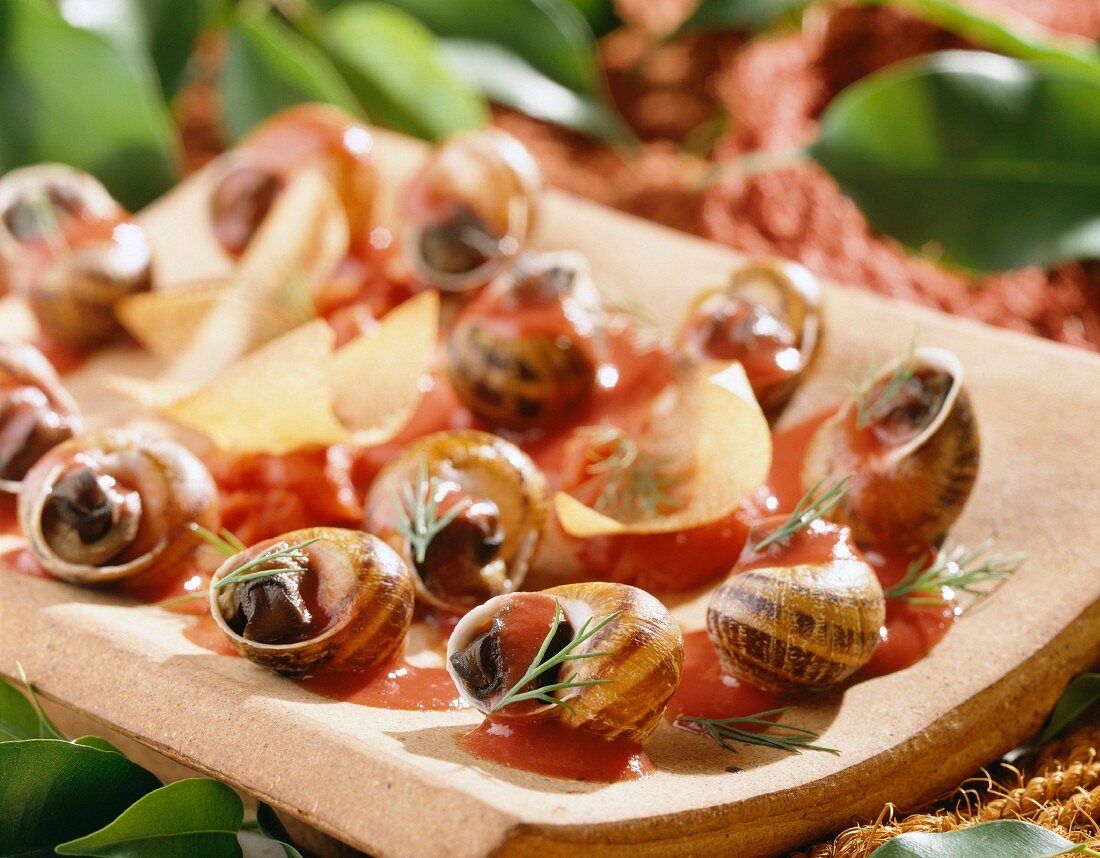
(466, 510)
(100, 508)
(319, 597)
(910, 437)
(497, 644)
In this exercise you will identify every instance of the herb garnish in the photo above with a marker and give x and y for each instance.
(723, 731)
(925, 582)
(810, 508)
(227, 543)
(418, 518)
(545, 693)
(42, 212)
(870, 405)
(633, 484)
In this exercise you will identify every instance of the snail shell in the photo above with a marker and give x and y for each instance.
(504, 501)
(70, 251)
(913, 465)
(470, 209)
(351, 610)
(103, 507)
(36, 412)
(785, 627)
(520, 356)
(644, 663)
(769, 317)
(307, 135)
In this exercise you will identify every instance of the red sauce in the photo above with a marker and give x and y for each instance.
(548, 747)
(22, 561)
(9, 517)
(204, 632)
(399, 685)
(706, 692)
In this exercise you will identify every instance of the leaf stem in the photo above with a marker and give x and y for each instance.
(752, 164)
(791, 738)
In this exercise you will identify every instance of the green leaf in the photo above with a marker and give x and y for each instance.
(737, 14)
(1031, 44)
(268, 68)
(1082, 692)
(52, 791)
(1002, 838)
(21, 717)
(551, 35)
(506, 78)
(397, 69)
(273, 829)
(97, 743)
(165, 30)
(994, 160)
(600, 15)
(197, 816)
(68, 95)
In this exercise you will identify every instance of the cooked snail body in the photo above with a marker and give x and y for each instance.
(104, 507)
(333, 598)
(913, 449)
(36, 412)
(806, 615)
(521, 355)
(494, 645)
(470, 209)
(769, 318)
(70, 250)
(310, 135)
(466, 510)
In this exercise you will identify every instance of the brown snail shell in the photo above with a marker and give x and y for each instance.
(519, 378)
(36, 411)
(470, 209)
(262, 166)
(358, 584)
(768, 317)
(644, 663)
(914, 476)
(484, 551)
(807, 625)
(84, 263)
(104, 507)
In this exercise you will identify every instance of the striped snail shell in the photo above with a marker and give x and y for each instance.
(915, 461)
(262, 165)
(494, 644)
(36, 411)
(521, 355)
(493, 499)
(70, 250)
(350, 609)
(104, 507)
(808, 624)
(470, 209)
(768, 317)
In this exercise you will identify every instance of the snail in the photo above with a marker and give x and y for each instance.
(521, 355)
(470, 209)
(466, 510)
(104, 507)
(911, 438)
(805, 611)
(336, 598)
(36, 412)
(769, 318)
(71, 251)
(261, 167)
(494, 647)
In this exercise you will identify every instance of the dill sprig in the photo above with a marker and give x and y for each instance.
(546, 693)
(934, 581)
(43, 214)
(810, 508)
(723, 731)
(226, 544)
(632, 484)
(869, 404)
(417, 509)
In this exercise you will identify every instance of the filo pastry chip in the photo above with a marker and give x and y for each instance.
(731, 456)
(298, 391)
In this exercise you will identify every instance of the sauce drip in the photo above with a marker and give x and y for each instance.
(547, 747)
(398, 685)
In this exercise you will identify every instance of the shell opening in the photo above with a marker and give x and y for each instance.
(240, 202)
(30, 426)
(458, 244)
(90, 518)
